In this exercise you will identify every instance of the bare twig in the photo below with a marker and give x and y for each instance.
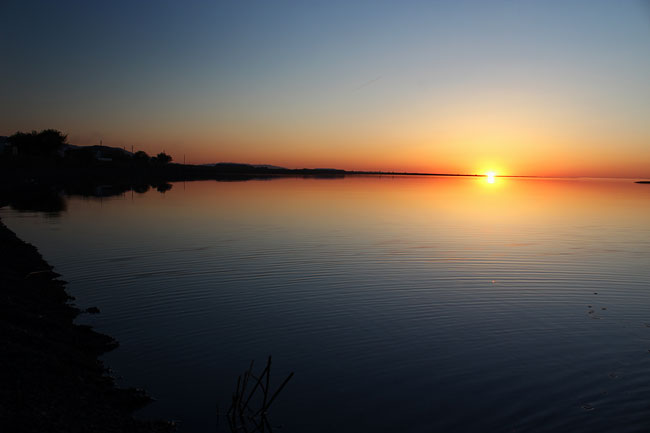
(243, 419)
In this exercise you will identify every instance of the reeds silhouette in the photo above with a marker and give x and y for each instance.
(248, 412)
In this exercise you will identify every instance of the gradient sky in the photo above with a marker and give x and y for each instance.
(519, 87)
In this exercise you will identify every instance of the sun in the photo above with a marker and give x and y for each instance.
(490, 176)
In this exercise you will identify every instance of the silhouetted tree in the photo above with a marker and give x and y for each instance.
(141, 158)
(162, 158)
(47, 143)
(52, 139)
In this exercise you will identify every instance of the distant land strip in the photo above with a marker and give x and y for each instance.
(46, 156)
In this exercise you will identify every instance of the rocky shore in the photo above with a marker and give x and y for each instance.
(51, 375)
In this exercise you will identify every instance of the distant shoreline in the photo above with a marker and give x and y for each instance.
(84, 174)
(47, 156)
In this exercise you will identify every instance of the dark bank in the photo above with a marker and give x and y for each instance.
(52, 378)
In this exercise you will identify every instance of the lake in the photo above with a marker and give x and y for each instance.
(402, 304)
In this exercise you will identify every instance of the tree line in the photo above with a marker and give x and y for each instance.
(51, 144)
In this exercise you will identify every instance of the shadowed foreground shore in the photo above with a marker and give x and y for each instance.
(52, 379)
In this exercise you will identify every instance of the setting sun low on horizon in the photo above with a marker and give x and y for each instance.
(457, 87)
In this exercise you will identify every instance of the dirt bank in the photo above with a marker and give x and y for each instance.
(52, 378)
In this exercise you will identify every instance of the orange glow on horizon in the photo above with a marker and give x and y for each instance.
(515, 154)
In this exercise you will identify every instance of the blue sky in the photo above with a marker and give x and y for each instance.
(329, 82)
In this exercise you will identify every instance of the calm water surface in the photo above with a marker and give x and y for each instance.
(403, 304)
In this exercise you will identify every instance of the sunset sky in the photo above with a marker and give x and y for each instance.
(559, 88)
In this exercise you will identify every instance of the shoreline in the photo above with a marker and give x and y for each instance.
(53, 379)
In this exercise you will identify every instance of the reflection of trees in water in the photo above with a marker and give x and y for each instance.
(35, 199)
(52, 200)
(49, 197)
(164, 187)
(141, 189)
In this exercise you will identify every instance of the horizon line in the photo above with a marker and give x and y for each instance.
(408, 173)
